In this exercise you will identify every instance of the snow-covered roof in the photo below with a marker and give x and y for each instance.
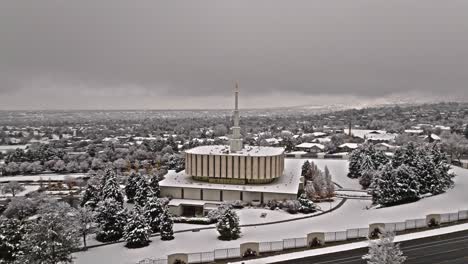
(310, 145)
(319, 134)
(362, 133)
(381, 137)
(349, 145)
(386, 145)
(414, 131)
(288, 183)
(322, 140)
(434, 137)
(246, 151)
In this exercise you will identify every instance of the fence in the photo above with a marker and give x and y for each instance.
(304, 242)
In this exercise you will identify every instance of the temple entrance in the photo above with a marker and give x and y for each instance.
(192, 210)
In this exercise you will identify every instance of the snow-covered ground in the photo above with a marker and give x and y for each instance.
(41, 177)
(353, 214)
(27, 189)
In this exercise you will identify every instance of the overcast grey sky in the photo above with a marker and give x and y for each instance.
(186, 54)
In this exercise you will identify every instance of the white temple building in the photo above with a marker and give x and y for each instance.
(217, 173)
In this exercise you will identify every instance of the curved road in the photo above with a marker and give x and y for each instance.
(443, 249)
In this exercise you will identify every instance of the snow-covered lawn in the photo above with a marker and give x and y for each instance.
(352, 214)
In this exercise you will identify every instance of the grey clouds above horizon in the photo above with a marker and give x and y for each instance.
(186, 54)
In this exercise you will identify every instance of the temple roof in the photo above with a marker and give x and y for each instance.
(246, 151)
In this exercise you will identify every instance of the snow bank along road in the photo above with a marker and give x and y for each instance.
(353, 214)
(449, 248)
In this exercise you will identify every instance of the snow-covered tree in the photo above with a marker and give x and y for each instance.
(367, 178)
(137, 231)
(143, 192)
(153, 211)
(84, 218)
(228, 225)
(366, 163)
(310, 190)
(154, 186)
(51, 238)
(307, 206)
(354, 170)
(111, 218)
(111, 188)
(90, 196)
(395, 185)
(131, 186)
(166, 226)
(214, 215)
(11, 234)
(305, 168)
(20, 208)
(319, 184)
(329, 185)
(12, 187)
(384, 251)
(59, 166)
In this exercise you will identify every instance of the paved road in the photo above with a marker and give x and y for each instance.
(443, 249)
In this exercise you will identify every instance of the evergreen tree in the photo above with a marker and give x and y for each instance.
(354, 170)
(143, 192)
(90, 196)
(228, 225)
(154, 186)
(166, 226)
(153, 211)
(466, 132)
(307, 206)
(398, 157)
(366, 163)
(137, 231)
(384, 251)
(395, 186)
(11, 234)
(305, 168)
(111, 218)
(111, 188)
(366, 178)
(131, 187)
(380, 159)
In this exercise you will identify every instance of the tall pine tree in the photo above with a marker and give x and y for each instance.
(90, 196)
(111, 188)
(143, 192)
(166, 226)
(131, 187)
(153, 211)
(111, 218)
(137, 231)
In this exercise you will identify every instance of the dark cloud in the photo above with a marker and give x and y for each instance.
(120, 51)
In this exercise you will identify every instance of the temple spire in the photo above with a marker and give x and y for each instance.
(236, 140)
